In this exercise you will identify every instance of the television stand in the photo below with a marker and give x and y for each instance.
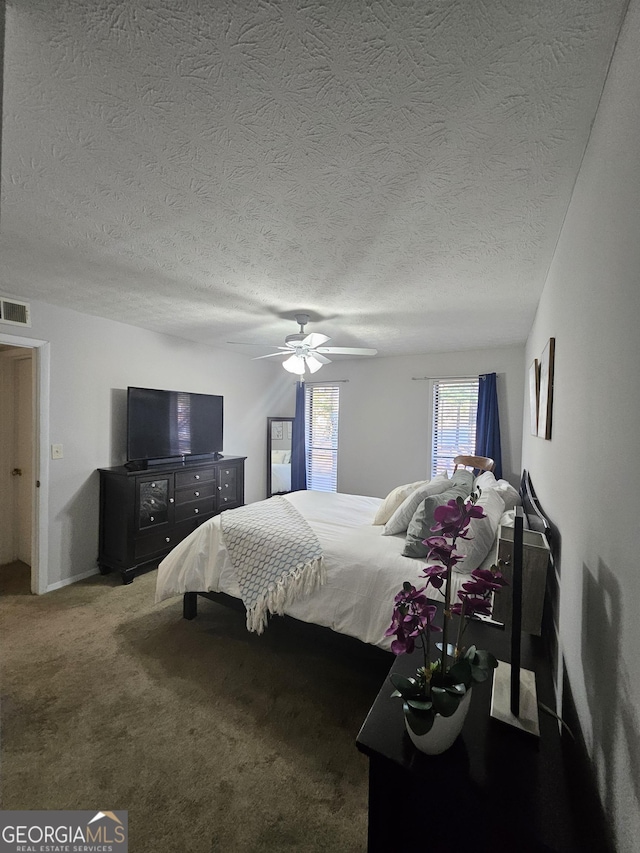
(144, 513)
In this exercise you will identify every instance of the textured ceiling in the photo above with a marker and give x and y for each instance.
(399, 170)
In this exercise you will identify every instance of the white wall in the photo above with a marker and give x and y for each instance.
(385, 431)
(92, 363)
(587, 476)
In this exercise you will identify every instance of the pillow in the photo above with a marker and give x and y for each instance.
(393, 500)
(464, 478)
(486, 480)
(400, 518)
(277, 456)
(509, 495)
(422, 521)
(507, 492)
(286, 457)
(483, 531)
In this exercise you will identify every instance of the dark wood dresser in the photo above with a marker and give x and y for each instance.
(144, 514)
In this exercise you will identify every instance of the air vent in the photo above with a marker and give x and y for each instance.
(15, 313)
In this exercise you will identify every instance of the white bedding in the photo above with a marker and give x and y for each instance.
(364, 569)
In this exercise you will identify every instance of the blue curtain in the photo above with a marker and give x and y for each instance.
(488, 422)
(298, 452)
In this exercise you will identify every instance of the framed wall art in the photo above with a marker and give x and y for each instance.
(545, 399)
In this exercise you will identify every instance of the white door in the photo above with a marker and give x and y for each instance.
(22, 468)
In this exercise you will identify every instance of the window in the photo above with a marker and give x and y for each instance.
(455, 405)
(321, 436)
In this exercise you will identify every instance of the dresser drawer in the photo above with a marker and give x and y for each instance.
(157, 543)
(192, 476)
(193, 509)
(194, 493)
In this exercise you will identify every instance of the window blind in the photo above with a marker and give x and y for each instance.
(321, 428)
(455, 406)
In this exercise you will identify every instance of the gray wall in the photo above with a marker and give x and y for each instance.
(92, 361)
(587, 476)
(385, 433)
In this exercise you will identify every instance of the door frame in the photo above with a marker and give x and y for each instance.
(40, 458)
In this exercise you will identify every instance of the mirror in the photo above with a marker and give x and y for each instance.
(279, 432)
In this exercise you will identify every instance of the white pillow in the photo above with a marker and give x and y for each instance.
(286, 459)
(486, 480)
(509, 495)
(483, 531)
(277, 456)
(399, 520)
(393, 500)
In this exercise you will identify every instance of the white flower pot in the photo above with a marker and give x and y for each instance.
(444, 730)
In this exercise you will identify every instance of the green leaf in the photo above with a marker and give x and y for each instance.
(406, 687)
(457, 689)
(479, 674)
(420, 704)
(485, 659)
(444, 703)
(462, 672)
(420, 723)
(470, 653)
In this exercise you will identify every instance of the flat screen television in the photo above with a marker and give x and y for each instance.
(169, 424)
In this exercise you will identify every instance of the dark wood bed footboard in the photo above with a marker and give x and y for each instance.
(190, 602)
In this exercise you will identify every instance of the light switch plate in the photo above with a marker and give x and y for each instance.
(56, 451)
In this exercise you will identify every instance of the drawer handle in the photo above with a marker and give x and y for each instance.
(151, 518)
(170, 500)
(226, 499)
(153, 485)
(196, 511)
(227, 472)
(197, 476)
(197, 494)
(167, 539)
(219, 488)
(226, 485)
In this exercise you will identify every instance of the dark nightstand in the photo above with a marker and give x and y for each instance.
(496, 789)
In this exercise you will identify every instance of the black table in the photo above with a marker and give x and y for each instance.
(496, 789)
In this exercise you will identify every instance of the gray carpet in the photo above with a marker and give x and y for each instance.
(213, 739)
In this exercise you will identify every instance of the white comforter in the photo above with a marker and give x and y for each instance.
(364, 569)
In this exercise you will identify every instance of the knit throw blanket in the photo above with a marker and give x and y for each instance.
(275, 554)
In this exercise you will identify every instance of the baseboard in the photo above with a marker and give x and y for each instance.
(67, 581)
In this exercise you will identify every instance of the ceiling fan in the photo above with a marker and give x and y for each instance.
(307, 351)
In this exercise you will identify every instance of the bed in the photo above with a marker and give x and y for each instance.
(364, 563)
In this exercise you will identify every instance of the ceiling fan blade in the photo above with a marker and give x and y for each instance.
(321, 358)
(271, 355)
(348, 350)
(246, 344)
(315, 339)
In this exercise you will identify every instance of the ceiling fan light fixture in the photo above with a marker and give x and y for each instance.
(295, 364)
(313, 363)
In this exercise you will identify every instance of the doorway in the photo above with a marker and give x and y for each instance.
(24, 435)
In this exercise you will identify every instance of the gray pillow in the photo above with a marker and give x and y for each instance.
(462, 477)
(422, 521)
